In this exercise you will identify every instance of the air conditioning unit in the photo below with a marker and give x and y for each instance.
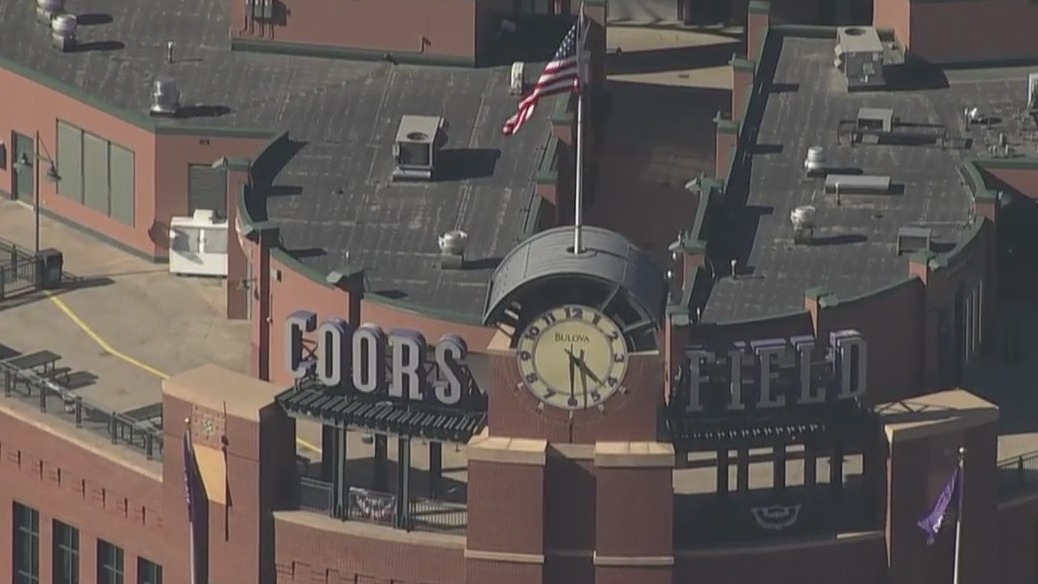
(418, 138)
(198, 245)
(518, 78)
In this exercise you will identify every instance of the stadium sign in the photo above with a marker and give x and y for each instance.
(399, 365)
(774, 373)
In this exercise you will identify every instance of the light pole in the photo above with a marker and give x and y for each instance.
(52, 175)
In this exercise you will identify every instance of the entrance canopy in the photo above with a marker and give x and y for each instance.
(691, 432)
(377, 414)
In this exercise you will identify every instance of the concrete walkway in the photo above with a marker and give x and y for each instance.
(123, 320)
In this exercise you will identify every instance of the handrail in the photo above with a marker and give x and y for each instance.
(369, 506)
(119, 428)
(1017, 474)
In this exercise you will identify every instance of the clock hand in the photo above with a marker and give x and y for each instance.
(587, 370)
(572, 371)
(583, 375)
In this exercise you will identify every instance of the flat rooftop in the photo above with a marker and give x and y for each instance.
(855, 248)
(336, 199)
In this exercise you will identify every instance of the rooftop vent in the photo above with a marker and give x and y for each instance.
(815, 161)
(63, 32)
(452, 249)
(418, 139)
(518, 78)
(48, 9)
(860, 56)
(803, 220)
(165, 98)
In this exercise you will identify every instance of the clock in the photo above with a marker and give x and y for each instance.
(572, 357)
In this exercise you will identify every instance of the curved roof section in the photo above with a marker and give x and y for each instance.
(609, 257)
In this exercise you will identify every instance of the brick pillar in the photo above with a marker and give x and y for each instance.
(923, 446)
(237, 262)
(505, 543)
(675, 336)
(757, 23)
(351, 281)
(742, 85)
(266, 236)
(987, 207)
(244, 447)
(815, 301)
(727, 142)
(919, 265)
(634, 547)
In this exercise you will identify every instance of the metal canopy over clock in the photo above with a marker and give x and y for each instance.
(577, 317)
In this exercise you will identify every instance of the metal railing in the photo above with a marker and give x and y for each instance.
(371, 506)
(433, 515)
(316, 495)
(18, 270)
(51, 398)
(380, 508)
(1018, 474)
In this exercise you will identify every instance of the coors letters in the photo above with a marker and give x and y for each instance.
(368, 361)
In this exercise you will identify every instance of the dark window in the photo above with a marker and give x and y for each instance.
(26, 545)
(109, 563)
(148, 572)
(95, 172)
(66, 554)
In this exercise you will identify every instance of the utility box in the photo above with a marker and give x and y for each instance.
(49, 268)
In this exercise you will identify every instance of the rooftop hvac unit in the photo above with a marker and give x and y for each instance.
(46, 10)
(63, 32)
(860, 56)
(198, 245)
(165, 98)
(518, 78)
(418, 138)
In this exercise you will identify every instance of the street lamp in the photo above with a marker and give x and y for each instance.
(25, 161)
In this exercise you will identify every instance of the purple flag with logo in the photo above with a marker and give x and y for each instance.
(934, 520)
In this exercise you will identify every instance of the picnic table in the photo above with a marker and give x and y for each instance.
(40, 363)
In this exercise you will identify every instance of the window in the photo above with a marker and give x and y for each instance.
(66, 554)
(26, 545)
(109, 563)
(148, 572)
(96, 173)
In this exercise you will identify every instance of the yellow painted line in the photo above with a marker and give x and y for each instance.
(108, 348)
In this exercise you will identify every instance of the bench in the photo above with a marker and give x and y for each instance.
(57, 373)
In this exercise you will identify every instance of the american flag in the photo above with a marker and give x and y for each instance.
(560, 75)
(190, 481)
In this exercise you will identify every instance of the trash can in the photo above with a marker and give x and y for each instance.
(49, 265)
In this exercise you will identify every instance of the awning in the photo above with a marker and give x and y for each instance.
(213, 469)
(376, 414)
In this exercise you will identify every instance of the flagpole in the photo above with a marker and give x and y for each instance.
(578, 211)
(191, 515)
(958, 520)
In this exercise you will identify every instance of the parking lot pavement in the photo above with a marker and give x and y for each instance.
(121, 322)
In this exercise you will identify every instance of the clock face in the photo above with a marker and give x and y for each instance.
(572, 357)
